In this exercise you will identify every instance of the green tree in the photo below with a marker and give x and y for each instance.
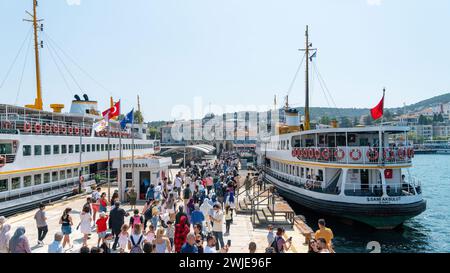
(368, 120)
(138, 118)
(345, 122)
(324, 120)
(355, 121)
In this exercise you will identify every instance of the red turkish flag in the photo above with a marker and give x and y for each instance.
(112, 112)
(377, 112)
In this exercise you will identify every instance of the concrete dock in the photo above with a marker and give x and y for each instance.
(242, 231)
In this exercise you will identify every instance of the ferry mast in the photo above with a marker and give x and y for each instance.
(38, 105)
(307, 125)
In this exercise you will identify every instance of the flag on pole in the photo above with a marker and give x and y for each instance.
(100, 125)
(378, 111)
(313, 56)
(112, 112)
(127, 119)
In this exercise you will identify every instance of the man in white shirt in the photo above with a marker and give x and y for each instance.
(217, 219)
(178, 183)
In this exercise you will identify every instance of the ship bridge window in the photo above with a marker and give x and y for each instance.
(55, 149)
(3, 185)
(26, 150)
(27, 181)
(37, 179)
(5, 148)
(15, 183)
(46, 178)
(37, 150)
(70, 149)
(64, 149)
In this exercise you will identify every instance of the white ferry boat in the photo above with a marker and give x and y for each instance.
(352, 173)
(46, 155)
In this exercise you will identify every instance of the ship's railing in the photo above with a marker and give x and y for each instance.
(361, 155)
(44, 187)
(392, 189)
(14, 123)
(7, 158)
(309, 184)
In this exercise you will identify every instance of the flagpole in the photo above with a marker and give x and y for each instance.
(109, 158)
(119, 175)
(132, 150)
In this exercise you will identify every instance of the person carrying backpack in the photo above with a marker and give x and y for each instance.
(136, 240)
(279, 244)
(136, 219)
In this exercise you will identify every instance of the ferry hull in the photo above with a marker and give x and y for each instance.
(387, 216)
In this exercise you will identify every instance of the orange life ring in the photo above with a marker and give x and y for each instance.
(37, 127)
(311, 153)
(87, 131)
(27, 127)
(76, 130)
(48, 128)
(326, 154)
(63, 129)
(339, 154)
(2, 161)
(70, 130)
(372, 154)
(410, 152)
(294, 152)
(358, 154)
(317, 154)
(401, 153)
(55, 129)
(389, 154)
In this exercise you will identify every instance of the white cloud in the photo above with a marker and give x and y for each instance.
(374, 2)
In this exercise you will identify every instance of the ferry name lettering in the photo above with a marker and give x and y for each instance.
(136, 165)
(383, 199)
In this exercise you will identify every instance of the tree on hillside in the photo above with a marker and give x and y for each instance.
(355, 122)
(368, 120)
(425, 120)
(345, 122)
(324, 120)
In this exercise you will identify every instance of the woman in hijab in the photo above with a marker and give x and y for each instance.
(19, 242)
(181, 232)
(4, 238)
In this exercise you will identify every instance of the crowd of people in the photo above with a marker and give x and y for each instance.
(191, 214)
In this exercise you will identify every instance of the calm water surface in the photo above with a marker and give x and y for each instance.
(428, 232)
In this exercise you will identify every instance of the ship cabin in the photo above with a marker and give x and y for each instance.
(364, 161)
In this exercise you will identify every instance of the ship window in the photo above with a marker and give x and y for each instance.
(287, 145)
(93, 147)
(3, 185)
(86, 170)
(64, 149)
(88, 147)
(103, 147)
(55, 149)
(5, 148)
(46, 178)
(47, 149)
(37, 150)
(27, 181)
(69, 173)
(37, 179)
(70, 149)
(77, 148)
(15, 183)
(113, 147)
(54, 176)
(62, 174)
(83, 148)
(98, 147)
(26, 150)
(75, 172)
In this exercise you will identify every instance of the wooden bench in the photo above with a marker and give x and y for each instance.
(304, 229)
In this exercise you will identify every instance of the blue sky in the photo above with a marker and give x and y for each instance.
(232, 52)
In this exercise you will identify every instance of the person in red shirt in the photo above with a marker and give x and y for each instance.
(181, 231)
(102, 227)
